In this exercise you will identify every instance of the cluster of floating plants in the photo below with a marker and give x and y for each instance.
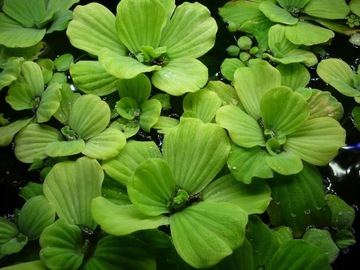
(147, 162)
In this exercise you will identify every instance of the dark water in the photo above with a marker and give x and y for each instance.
(342, 176)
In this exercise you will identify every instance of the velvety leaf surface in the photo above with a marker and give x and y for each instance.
(50, 103)
(64, 148)
(35, 215)
(89, 116)
(195, 152)
(251, 82)
(150, 113)
(285, 163)
(152, 187)
(123, 219)
(70, 186)
(8, 132)
(294, 75)
(91, 78)
(31, 142)
(33, 76)
(62, 246)
(33, 265)
(244, 130)
(205, 233)
(137, 88)
(93, 28)
(68, 98)
(181, 75)
(8, 230)
(252, 198)
(122, 167)
(228, 67)
(317, 141)
(293, 3)
(277, 14)
(20, 97)
(140, 23)
(327, 9)
(322, 103)
(190, 32)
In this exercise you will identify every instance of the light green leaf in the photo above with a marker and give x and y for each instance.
(60, 5)
(253, 198)
(355, 7)
(308, 34)
(31, 142)
(60, 21)
(8, 132)
(277, 14)
(122, 167)
(195, 152)
(203, 104)
(62, 246)
(128, 108)
(8, 230)
(298, 4)
(165, 123)
(327, 9)
(32, 265)
(89, 116)
(150, 113)
(283, 110)
(152, 187)
(10, 71)
(70, 186)
(306, 255)
(50, 103)
(190, 32)
(35, 215)
(225, 91)
(91, 78)
(93, 28)
(105, 145)
(33, 77)
(243, 129)
(13, 34)
(228, 67)
(284, 163)
(317, 141)
(247, 163)
(196, 228)
(181, 75)
(123, 67)
(20, 97)
(339, 75)
(64, 148)
(138, 88)
(294, 75)
(251, 82)
(68, 98)
(123, 219)
(322, 103)
(140, 23)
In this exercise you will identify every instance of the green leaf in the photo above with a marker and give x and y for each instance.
(70, 186)
(195, 229)
(35, 215)
(323, 240)
(140, 23)
(33, 265)
(342, 214)
(128, 108)
(8, 230)
(322, 103)
(283, 110)
(306, 256)
(150, 113)
(253, 198)
(284, 163)
(228, 67)
(277, 14)
(247, 163)
(243, 129)
(68, 98)
(122, 167)
(152, 187)
(64, 148)
(327, 9)
(20, 97)
(123, 219)
(8, 132)
(93, 28)
(304, 33)
(63, 62)
(317, 141)
(195, 152)
(50, 103)
(203, 104)
(89, 116)
(190, 32)
(60, 21)
(298, 201)
(33, 77)
(62, 246)
(355, 7)
(123, 67)
(10, 72)
(294, 75)
(181, 75)
(138, 88)
(112, 252)
(339, 75)
(344, 239)
(31, 142)
(297, 4)
(13, 34)
(105, 145)
(251, 82)
(225, 91)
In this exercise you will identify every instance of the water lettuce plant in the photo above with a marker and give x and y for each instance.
(176, 134)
